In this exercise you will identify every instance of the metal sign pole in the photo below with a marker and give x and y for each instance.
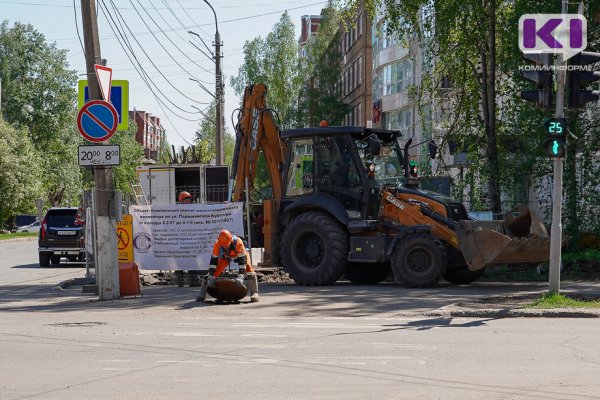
(556, 229)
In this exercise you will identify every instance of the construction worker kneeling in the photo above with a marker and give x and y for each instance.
(229, 247)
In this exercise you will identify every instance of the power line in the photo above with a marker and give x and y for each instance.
(193, 22)
(77, 26)
(143, 74)
(150, 59)
(209, 23)
(163, 47)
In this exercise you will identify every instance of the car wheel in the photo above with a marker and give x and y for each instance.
(55, 260)
(44, 259)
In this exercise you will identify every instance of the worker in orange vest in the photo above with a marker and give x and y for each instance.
(229, 247)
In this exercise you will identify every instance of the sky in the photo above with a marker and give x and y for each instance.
(157, 31)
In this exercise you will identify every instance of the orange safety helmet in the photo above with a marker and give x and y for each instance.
(184, 195)
(225, 238)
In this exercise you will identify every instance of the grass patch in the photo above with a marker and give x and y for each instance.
(6, 236)
(557, 300)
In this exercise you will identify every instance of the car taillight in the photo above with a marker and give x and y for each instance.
(43, 229)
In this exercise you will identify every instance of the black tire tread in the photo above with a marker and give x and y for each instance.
(44, 259)
(333, 266)
(403, 276)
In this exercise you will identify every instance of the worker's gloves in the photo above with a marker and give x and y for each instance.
(211, 281)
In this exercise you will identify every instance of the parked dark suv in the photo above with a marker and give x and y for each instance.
(60, 237)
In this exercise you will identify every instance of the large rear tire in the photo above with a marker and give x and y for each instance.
(314, 249)
(44, 259)
(462, 275)
(367, 273)
(419, 260)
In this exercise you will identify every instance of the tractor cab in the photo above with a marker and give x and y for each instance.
(348, 164)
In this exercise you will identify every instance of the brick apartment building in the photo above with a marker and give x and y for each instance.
(357, 77)
(150, 134)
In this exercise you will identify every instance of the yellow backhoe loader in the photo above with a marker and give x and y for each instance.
(343, 204)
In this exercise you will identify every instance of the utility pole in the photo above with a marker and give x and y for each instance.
(107, 272)
(556, 228)
(219, 93)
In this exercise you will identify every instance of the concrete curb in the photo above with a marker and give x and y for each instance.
(453, 311)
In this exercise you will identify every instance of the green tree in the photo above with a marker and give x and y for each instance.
(38, 88)
(20, 172)
(274, 62)
(321, 97)
(62, 179)
(132, 155)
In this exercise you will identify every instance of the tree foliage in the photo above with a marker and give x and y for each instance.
(38, 88)
(274, 62)
(132, 154)
(20, 172)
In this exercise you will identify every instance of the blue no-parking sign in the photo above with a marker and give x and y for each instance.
(97, 121)
(119, 97)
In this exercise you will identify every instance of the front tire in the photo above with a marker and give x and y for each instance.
(419, 260)
(55, 260)
(314, 249)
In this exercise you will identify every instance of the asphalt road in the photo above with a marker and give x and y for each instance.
(339, 342)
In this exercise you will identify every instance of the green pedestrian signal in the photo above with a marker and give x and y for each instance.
(556, 137)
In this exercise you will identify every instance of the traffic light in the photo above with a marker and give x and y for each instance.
(579, 77)
(543, 76)
(556, 137)
(413, 169)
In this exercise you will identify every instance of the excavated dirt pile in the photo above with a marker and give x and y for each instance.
(156, 278)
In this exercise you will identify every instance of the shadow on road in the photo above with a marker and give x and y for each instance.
(277, 299)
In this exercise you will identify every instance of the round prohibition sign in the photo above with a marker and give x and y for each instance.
(97, 120)
(122, 238)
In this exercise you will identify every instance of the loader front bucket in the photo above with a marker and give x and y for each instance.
(520, 238)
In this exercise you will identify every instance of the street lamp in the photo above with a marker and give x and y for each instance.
(219, 92)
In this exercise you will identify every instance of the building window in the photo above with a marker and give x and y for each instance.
(399, 119)
(397, 77)
(359, 68)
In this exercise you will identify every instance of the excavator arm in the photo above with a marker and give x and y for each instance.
(256, 130)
